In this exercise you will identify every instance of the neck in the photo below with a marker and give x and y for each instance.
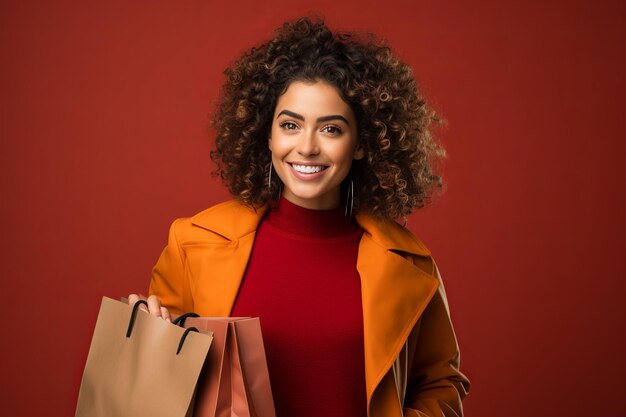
(297, 220)
(328, 201)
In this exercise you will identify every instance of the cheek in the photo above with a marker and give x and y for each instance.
(270, 140)
(278, 149)
(343, 153)
(277, 143)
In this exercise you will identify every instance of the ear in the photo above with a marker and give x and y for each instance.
(269, 143)
(359, 152)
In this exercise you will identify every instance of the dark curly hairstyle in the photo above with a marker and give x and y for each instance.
(396, 174)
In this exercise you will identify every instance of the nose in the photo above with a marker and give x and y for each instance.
(308, 145)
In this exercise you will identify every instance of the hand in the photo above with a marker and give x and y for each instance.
(154, 306)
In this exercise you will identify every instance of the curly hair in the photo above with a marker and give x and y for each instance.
(395, 176)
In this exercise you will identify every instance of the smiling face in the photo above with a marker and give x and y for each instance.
(313, 142)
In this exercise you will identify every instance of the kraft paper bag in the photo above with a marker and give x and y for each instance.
(235, 379)
(140, 366)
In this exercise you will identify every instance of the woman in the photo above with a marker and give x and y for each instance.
(323, 140)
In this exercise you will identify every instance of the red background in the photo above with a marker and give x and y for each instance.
(104, 143)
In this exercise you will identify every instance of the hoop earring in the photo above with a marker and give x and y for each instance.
(269, 179)
(349, 199)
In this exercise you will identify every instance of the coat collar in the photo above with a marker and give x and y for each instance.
(234, 220)
(394, 290)
(230, 219)
(391, 236)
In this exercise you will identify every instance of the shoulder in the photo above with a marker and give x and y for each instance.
(229, 220)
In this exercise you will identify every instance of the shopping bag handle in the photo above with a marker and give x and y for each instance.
(133, 316)
(184, 336)
(180, 320)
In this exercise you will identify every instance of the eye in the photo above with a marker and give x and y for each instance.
(288, 125)
(332, 129)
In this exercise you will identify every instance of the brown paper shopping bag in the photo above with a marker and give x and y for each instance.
(139, 365)
(235, 380)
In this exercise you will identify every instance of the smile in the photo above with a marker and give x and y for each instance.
(309, 169)
(308, 172)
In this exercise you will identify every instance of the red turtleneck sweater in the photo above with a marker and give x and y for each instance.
(302, 282)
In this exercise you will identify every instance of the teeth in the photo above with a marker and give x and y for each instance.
(307, 169)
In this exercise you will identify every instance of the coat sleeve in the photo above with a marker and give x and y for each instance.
(169, 280)
(435, 385)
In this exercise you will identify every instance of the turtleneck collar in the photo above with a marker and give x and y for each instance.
(316, 224)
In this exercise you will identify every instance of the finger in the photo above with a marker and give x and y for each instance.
(133, 298)
(165, 314)
(154, 306)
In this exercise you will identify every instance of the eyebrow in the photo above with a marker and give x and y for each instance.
(319, 119)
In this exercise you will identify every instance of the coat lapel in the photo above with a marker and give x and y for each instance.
(394, 293)
(225, 263)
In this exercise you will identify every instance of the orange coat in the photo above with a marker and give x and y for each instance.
(411, 353)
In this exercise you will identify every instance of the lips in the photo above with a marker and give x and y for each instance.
(307, 171)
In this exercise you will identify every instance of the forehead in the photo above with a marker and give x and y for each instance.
(313, 100)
